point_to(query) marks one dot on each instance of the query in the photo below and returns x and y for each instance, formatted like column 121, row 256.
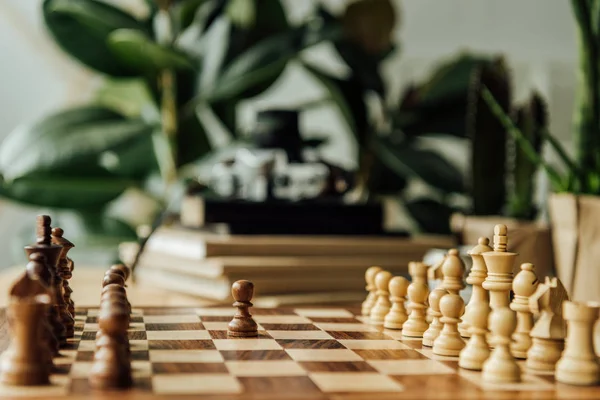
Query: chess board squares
column 280, row 387
column 373, row 344
column 184, row 326
column 181, row 345
column 81, row 386
column 281, row 319
column 189, row 368
column 246, row 344
column 345, row 327
column 358, row 335
column 309, row 344
column 432, row 385
column 196, row 383
column 391, row 354
column 266, row 368
column 354, row 382
column 222, row 326
column 185, row 356
column 289, row 327
column 528, row 382
column 428, row 352
column 137, row 345
column 410, row 367
column 323, row 355
column 59, row 385
column 178, row 335
column 300, row 335
column 170, row 319
column 336, row 366
column 254, row 355
column 166, row 311
column 324, row 312
column 215, row 312
column 81, row 369
column 223, row 335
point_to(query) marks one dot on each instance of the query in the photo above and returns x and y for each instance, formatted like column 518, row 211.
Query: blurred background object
column 113, row 135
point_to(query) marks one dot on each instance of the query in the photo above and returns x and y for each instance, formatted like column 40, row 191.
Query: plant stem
column 526, row 146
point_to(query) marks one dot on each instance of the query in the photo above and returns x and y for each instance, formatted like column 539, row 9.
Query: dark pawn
column 242, row 324
column 64, row 273
column 111, row 368
column 125, row 270
column 110, row 278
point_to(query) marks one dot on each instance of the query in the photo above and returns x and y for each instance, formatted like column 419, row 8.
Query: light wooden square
column 90, row 327
column 394, row 334
column 300, row 335
column 137, row 326
column 196, row 384
column 80, row 369
column 528, row 382
column 330, row 382
column 324, row 312
column 246, row 344
column 58, row 387
column 265, row 368
column 138, row 345
column 428, row 352
column 185, row 356
column 373, row 345
column 281, row 319
column 137, row 312
column 170, row 319
column 93, row 312
column 178, row 335
column 86, row 345
column 323, row 355
column 345, row 327
column 410, row 367
column 141, row 369
column 216, row 312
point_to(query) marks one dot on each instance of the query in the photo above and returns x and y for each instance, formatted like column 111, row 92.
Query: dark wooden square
column 223, row 335
column 85, row 356
column 290, row 327
column 343, row 320
column 91, row 320
column 136, row 319
column 336, row 366
column 79, row 386
column 272, row 311
column 434, row 385
column 259, row 355
column 184, row 326
column 140, row 355
column 414, row 344
column 137, row 335
column 358, row 335
column 169, row 311
column 390, row 354
column 188, row 368
column 215, row 318
column 280, row 384
column 181, row 345
column 88, row 335
column 309, row 344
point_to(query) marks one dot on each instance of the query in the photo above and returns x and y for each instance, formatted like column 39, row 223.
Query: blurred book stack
column 286, row 269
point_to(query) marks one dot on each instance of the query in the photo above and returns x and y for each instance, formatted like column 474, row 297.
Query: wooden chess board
column 308, row 353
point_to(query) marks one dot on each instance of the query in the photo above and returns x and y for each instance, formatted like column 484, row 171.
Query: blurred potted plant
column 166, row 75
column 574, row 205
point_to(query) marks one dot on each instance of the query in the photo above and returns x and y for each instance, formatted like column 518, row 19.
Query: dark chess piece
column 110, row 278
column 111, row 368
column 62, row 270
column 52, row 253
column 242, row 324
column 121, row 269
column 65, row 271
column 25, row 362
column 113, row 287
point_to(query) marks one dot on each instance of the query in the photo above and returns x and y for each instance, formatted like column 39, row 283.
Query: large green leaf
column 81, row 28
column 187, row 12
column 65, row 192
column 140, row 53
column 67, row 140
column 192, row 139
column 427, row 165
column 130, row 97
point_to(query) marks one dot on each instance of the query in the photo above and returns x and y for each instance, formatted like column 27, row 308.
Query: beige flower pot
column 575, row 222
column 531, row 240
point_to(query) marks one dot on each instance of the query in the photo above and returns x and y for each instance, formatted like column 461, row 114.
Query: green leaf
column 98, row 225
column 431, row 215
column 136, row 50
column 68, row 140
column 242, row 13
column 81, row 28
column 384, row 181
column 186, row 11
column 427, row 165
column 192, row 139
column 65, row 192
column 129, row 97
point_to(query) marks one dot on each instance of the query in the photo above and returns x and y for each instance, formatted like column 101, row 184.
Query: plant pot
column 531, row 240
column 575, row 222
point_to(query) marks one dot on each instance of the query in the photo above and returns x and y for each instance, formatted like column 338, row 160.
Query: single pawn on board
column 524, row 285
column 578, row 364
column 396, row 317
column 242, row 324
column 449, row 342
column 501, row 366
column 435, row 327
column 110, row 278
column 382, row 304
column 477, row 349
column 369, row 302
column 416, row 324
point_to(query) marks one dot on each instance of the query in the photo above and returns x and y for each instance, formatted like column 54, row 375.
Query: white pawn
column 578, row 364
column 382, row 304
column 369, row 302
column 398, row 288
column 501, row 366
column 524, row 285
column 477, row 349
column 434, row 310
column 416, row 324
column 449, row 343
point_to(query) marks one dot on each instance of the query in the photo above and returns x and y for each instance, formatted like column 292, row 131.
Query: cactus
column 532, row 119
column 487, row 182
